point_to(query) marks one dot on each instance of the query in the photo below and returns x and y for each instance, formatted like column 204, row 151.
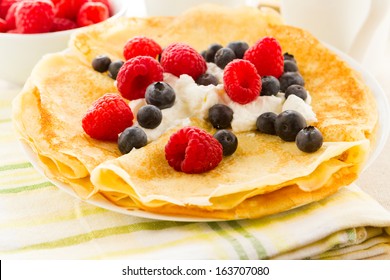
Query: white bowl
column 20, row 52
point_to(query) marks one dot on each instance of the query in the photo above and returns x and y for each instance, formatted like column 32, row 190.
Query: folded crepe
column 264, row 176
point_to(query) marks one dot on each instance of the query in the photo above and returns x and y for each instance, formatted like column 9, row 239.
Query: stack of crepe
column 264, row 176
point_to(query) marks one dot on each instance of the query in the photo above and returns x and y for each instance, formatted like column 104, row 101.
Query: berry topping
column 220, row 116
column 149, row 116
column 269, row 86
column 91, row 13
column 223, row 56
column 288, row 124
column 290, row 66
column 267, row 56
column 160, row 94
column 242, row 83
column 289, row 57
column 141, row 45
column 114, row 68
column 179, row 58
column 107, row 117
column 193, row 150
column 5, row 6
column 61, row 24
column 297, row 90
column 266, row 123
column 207, row 79
column 211, row 51
column 101, row 63
column 131, row 137
column 239, row 48
column 228, row 141
column 136, row 75
column 34, row 16
column 309, row 139
column 290, row 78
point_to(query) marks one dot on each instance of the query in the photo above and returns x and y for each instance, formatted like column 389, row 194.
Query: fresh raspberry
column 107, row 117
column 179, row 58
column 5, row 5
column 65, row 9
column 192, row 150
column 242, row 83
column 136, row 75
column 3, row 26
column 34, row 16
column 10, row 17
column 141, row 45
column 267, row 56
column 91, row 13
column 61, row 24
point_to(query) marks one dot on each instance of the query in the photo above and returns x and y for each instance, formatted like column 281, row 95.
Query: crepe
column 264, row 176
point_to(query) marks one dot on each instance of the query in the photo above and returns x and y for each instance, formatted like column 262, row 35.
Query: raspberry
column 5, row 5
column 34, row 16
column 65, row 9
column 141, row 45
column 267, row 56
column 61, row 24
column 3, row 26
column 136, row 75
column 107, row 117
column 179, row 58
column 10, row 18
column 242, row 83
column 192, row 150
column 91, row 13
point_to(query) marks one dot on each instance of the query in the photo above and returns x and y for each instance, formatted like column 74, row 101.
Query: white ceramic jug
column 357, row 27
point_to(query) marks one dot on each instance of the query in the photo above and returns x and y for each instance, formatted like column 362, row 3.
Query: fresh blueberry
column 270, row 86
column 290, row 66
column 220, row 116
column 297, row 90
column 203, row 54
column 223, row 57
column 309, row 139
column 160, row 94
column 149, row 116
column 207, row 79
column 239, row 48
column 290, row 78
column 228, row 141
column 101, row 63
column 114, row 67
column 131, row 137
column 290, row 57
column 288, row 124
column 266, row 123
column 211, row 51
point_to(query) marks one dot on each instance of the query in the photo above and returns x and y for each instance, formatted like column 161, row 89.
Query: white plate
column 382, row 135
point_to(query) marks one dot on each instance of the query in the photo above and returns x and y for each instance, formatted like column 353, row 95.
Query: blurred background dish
column 20, row 52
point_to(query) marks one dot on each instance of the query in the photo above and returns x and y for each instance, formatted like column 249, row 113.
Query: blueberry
column 211, row 51
column 149, row 116
column 290, row 57
column 239, row 48
column 160, row 94
column 203, row 54
column 297, row 90
column 207, row 79
column 131, row 137
column 220, row 116
column 223, row 57
column 290, row 66
column 228, row 141
column 288, row 124
column 266, row 123
column 290, row 78
column 101, row 63
column 309, row 139
column 270, row 85
column 114, row 67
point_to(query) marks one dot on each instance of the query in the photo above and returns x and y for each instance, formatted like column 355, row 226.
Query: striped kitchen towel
column 39, row 221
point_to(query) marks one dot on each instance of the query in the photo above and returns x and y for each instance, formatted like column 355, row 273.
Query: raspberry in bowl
column 30, row 29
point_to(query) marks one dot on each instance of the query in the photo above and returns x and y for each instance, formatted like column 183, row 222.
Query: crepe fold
column 264, row 176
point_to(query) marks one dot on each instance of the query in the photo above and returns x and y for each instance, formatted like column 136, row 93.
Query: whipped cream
column 193, row 100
